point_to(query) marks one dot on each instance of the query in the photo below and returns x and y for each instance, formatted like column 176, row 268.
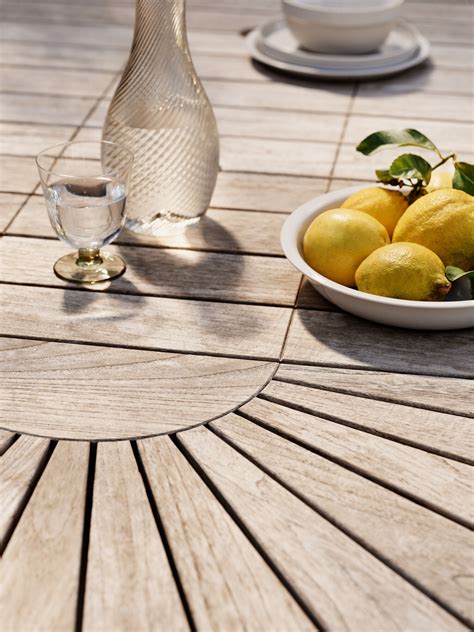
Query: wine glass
column 86, row 205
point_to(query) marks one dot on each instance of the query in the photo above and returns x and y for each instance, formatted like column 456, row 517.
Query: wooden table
column 207, row 443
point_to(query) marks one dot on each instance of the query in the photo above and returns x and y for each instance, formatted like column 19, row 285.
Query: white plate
column 389, row 311
column 420, row 54
column 276, row 41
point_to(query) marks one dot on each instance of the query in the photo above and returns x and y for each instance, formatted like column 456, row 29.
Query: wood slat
column 262, row 192
column 280, row 96
column 342, row 340
column 49, row 109
column 29, row 140
column 129, row 584
column 148, row 322
column 447, row 135
column 160, row 272
column 425, row 546
column 42, row 559
column 277, row 156
column 6, row 439
column 43, row 55
column 346, row 587
column 218, row 231
column 452, row 395
column 227, row 583
column 443, row 433
column 433, row 480
column 53, row 389
column 309, row 297
column 401, row 104
column 60, row 82
column 9, row 205
column 18, row 175
column 18, row 468
column 101, row 36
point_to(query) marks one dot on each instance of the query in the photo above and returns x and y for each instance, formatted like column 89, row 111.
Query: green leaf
column 395, row 138
column 463, row 178
column 453, row 273
column 384, row 176
column 411, row 167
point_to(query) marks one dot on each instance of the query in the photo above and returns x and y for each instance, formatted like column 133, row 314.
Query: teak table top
column 207, row 444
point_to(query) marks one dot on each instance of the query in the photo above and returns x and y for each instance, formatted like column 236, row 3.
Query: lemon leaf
column 395, row 138
column 453, row 273
column 411, row 167
column 463, row 178
column 383, row 175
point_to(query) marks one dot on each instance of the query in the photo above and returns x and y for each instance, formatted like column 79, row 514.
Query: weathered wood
column 447, row 434
column 218, row 231
column 9, row 205
column 129, row 584
column 433, row 480
column 450, row 395
column 18, row 175
column 323, row 338
column 227, row 583
column 425, row 546
column 64, row 82
column 49, row 109
column 40, row 567
column 264, row 192
column 146, row 322
column 24, row 139
column 6, row 439
column 160, row 272
column 18, row 469
column 279, row 96
column 53, row 389
column 346, row 587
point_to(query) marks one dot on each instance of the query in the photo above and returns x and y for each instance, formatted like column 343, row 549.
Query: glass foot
column 89, row 267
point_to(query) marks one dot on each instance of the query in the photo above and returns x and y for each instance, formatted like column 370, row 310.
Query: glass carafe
column 161, row 113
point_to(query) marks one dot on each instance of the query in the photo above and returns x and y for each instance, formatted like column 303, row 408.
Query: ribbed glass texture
column 162, row 114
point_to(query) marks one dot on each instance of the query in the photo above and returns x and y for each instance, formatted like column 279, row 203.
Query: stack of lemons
column 378, row 243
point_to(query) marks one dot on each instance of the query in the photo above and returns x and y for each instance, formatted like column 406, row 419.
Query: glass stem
column 88, row 257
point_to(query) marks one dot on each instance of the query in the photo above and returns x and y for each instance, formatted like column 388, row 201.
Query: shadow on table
column 79, row 302
column 186, row 266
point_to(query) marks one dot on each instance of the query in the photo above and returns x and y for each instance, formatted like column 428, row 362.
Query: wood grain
column 9, row 205
column 24, row 139
column 346, row 587
column 322, row 338
column 160, row 272
column 53, row 389
column 425, row 546
column 439, row 482
column 63, row 82
column 262, row 192
column 18, row 469
column 218, row 231
column 450, row 395
column 40, row 567
column 49, row 109
column 447, row 434
column 129, row 583
column 145, row 322
column 6, row 439
column 18, row 175
column 227, row 583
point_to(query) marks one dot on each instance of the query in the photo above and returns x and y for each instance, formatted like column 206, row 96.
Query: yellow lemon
column 443, row 221
column 440, row 180
column 385, row 205
column 403, row 270
column 338, row 240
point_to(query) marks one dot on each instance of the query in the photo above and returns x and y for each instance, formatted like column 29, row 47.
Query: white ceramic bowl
column 389, row 311
column 345, row 27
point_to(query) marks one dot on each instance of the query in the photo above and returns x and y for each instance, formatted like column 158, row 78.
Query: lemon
column 443, row 221
column 385, row 205
column 440, row 180
column 403, row 270
column 338, row 240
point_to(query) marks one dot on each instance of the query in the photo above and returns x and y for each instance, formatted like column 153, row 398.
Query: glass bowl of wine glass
column 86, row 204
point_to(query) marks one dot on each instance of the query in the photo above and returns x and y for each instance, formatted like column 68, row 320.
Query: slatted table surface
column 206, row 443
